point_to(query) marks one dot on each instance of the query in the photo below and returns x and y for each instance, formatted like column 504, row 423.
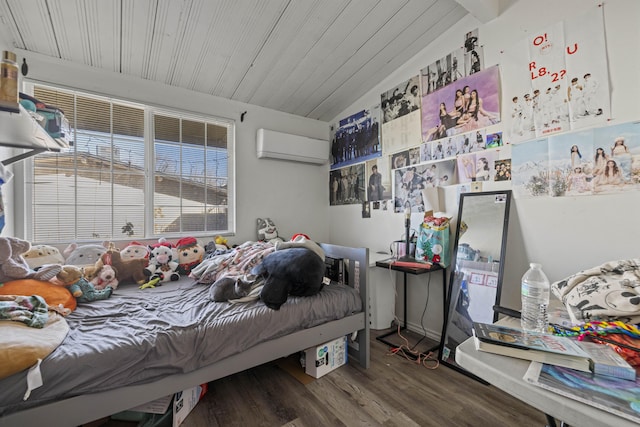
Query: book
column 606, row 361
column 614, row 395
column 551, row 349
column 539, row 347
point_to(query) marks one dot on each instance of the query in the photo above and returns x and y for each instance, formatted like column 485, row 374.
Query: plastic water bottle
column 535, row 299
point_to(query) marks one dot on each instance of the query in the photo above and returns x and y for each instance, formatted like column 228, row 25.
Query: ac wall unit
column 284, row 146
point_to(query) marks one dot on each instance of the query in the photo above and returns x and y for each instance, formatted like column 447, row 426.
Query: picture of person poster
column 378, row 180
column 471, row 41
column 401, row 100
column 502, row 170
column 557, row 79
column 476, row 167
column 400, row 159
column 494, row 140
column 471, row 142
column 587, row 162
column 409, row 182
column 570, row 164
column 426, row 149
column 616, row 158
column 470, row 104
column 347, row 185
column 443, row 72
column 356, row 138
column 401, row 116
column 473, row 61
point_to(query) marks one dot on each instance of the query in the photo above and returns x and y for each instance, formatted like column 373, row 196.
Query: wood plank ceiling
column 312, row 58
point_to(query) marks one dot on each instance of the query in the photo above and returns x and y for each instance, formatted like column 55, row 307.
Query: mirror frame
column 454, row 285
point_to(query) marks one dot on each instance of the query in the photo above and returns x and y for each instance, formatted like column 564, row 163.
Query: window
column 99, row 189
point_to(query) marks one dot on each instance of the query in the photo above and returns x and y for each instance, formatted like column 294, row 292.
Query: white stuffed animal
column 163, row 264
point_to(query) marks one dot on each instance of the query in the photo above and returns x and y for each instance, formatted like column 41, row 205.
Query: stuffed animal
column 70, row 276
column 129, row 271
column 267, row 231
column 106, row 276
column 40, row 255
column 163, row 264
column 296, row 271
column 135, row 250
column 82, row 256
column 190, row 254
column 221, row 243
column 13, row 265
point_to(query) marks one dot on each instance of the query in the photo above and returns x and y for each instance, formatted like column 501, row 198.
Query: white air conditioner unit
column 284, row 146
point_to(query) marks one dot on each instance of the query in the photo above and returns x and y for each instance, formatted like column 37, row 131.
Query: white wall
column 565, row 234
column 294, row 195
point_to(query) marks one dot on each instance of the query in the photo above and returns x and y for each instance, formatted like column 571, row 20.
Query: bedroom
column 564, row 234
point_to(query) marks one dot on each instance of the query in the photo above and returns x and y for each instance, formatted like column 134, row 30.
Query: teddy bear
column 190, row 254
column 40, row 255
column 106, row 276
column 163, row 264
column 14, row 266
column 70, row 276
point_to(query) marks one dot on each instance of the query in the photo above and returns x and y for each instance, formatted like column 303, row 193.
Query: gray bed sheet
column 138, row 336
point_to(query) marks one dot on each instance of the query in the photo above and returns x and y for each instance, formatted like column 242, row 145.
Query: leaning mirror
column 477, row 268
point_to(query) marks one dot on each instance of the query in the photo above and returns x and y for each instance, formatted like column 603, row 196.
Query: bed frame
column 85, row 408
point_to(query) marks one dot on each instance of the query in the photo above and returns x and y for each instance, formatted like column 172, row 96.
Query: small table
column 388, row 264
column 506, row 373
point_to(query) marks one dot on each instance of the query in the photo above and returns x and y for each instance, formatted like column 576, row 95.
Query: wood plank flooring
column 392, row 392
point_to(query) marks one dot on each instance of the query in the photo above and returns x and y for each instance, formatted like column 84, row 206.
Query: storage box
column 185, row 401
column 325, row 358
column 182, row 404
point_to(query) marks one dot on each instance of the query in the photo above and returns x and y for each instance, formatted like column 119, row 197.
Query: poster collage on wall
column 447, row 125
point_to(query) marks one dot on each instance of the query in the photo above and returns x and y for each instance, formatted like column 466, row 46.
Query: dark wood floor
column 392, row 392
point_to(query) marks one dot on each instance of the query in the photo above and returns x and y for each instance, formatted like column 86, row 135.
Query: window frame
column 25, row 169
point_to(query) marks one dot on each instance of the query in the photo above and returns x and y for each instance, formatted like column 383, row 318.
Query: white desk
column 506, row 373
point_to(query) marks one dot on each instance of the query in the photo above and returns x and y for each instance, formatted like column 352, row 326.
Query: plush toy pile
column 92, row 272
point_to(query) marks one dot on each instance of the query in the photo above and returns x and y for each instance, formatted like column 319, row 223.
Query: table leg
column 382, row 338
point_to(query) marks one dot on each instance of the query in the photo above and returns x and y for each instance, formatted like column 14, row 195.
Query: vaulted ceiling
column 312, row 58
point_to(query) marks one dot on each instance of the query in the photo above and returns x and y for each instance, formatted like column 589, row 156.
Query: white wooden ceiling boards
column 312, row 58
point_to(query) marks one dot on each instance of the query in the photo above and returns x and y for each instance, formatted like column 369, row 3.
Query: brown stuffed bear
column 70, row 277
column 129, row 270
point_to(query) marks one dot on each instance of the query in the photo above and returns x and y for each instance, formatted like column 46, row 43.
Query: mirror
column 477, row 268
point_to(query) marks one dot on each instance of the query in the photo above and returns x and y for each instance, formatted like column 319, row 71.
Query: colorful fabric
column 30, row 310
column 235, row 263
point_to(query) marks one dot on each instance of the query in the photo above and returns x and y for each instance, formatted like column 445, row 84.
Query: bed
column 176, row 338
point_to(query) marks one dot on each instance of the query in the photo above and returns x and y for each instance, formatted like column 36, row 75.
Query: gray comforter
column 138, row 336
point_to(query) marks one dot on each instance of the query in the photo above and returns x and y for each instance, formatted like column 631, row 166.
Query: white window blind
column 97, row 189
